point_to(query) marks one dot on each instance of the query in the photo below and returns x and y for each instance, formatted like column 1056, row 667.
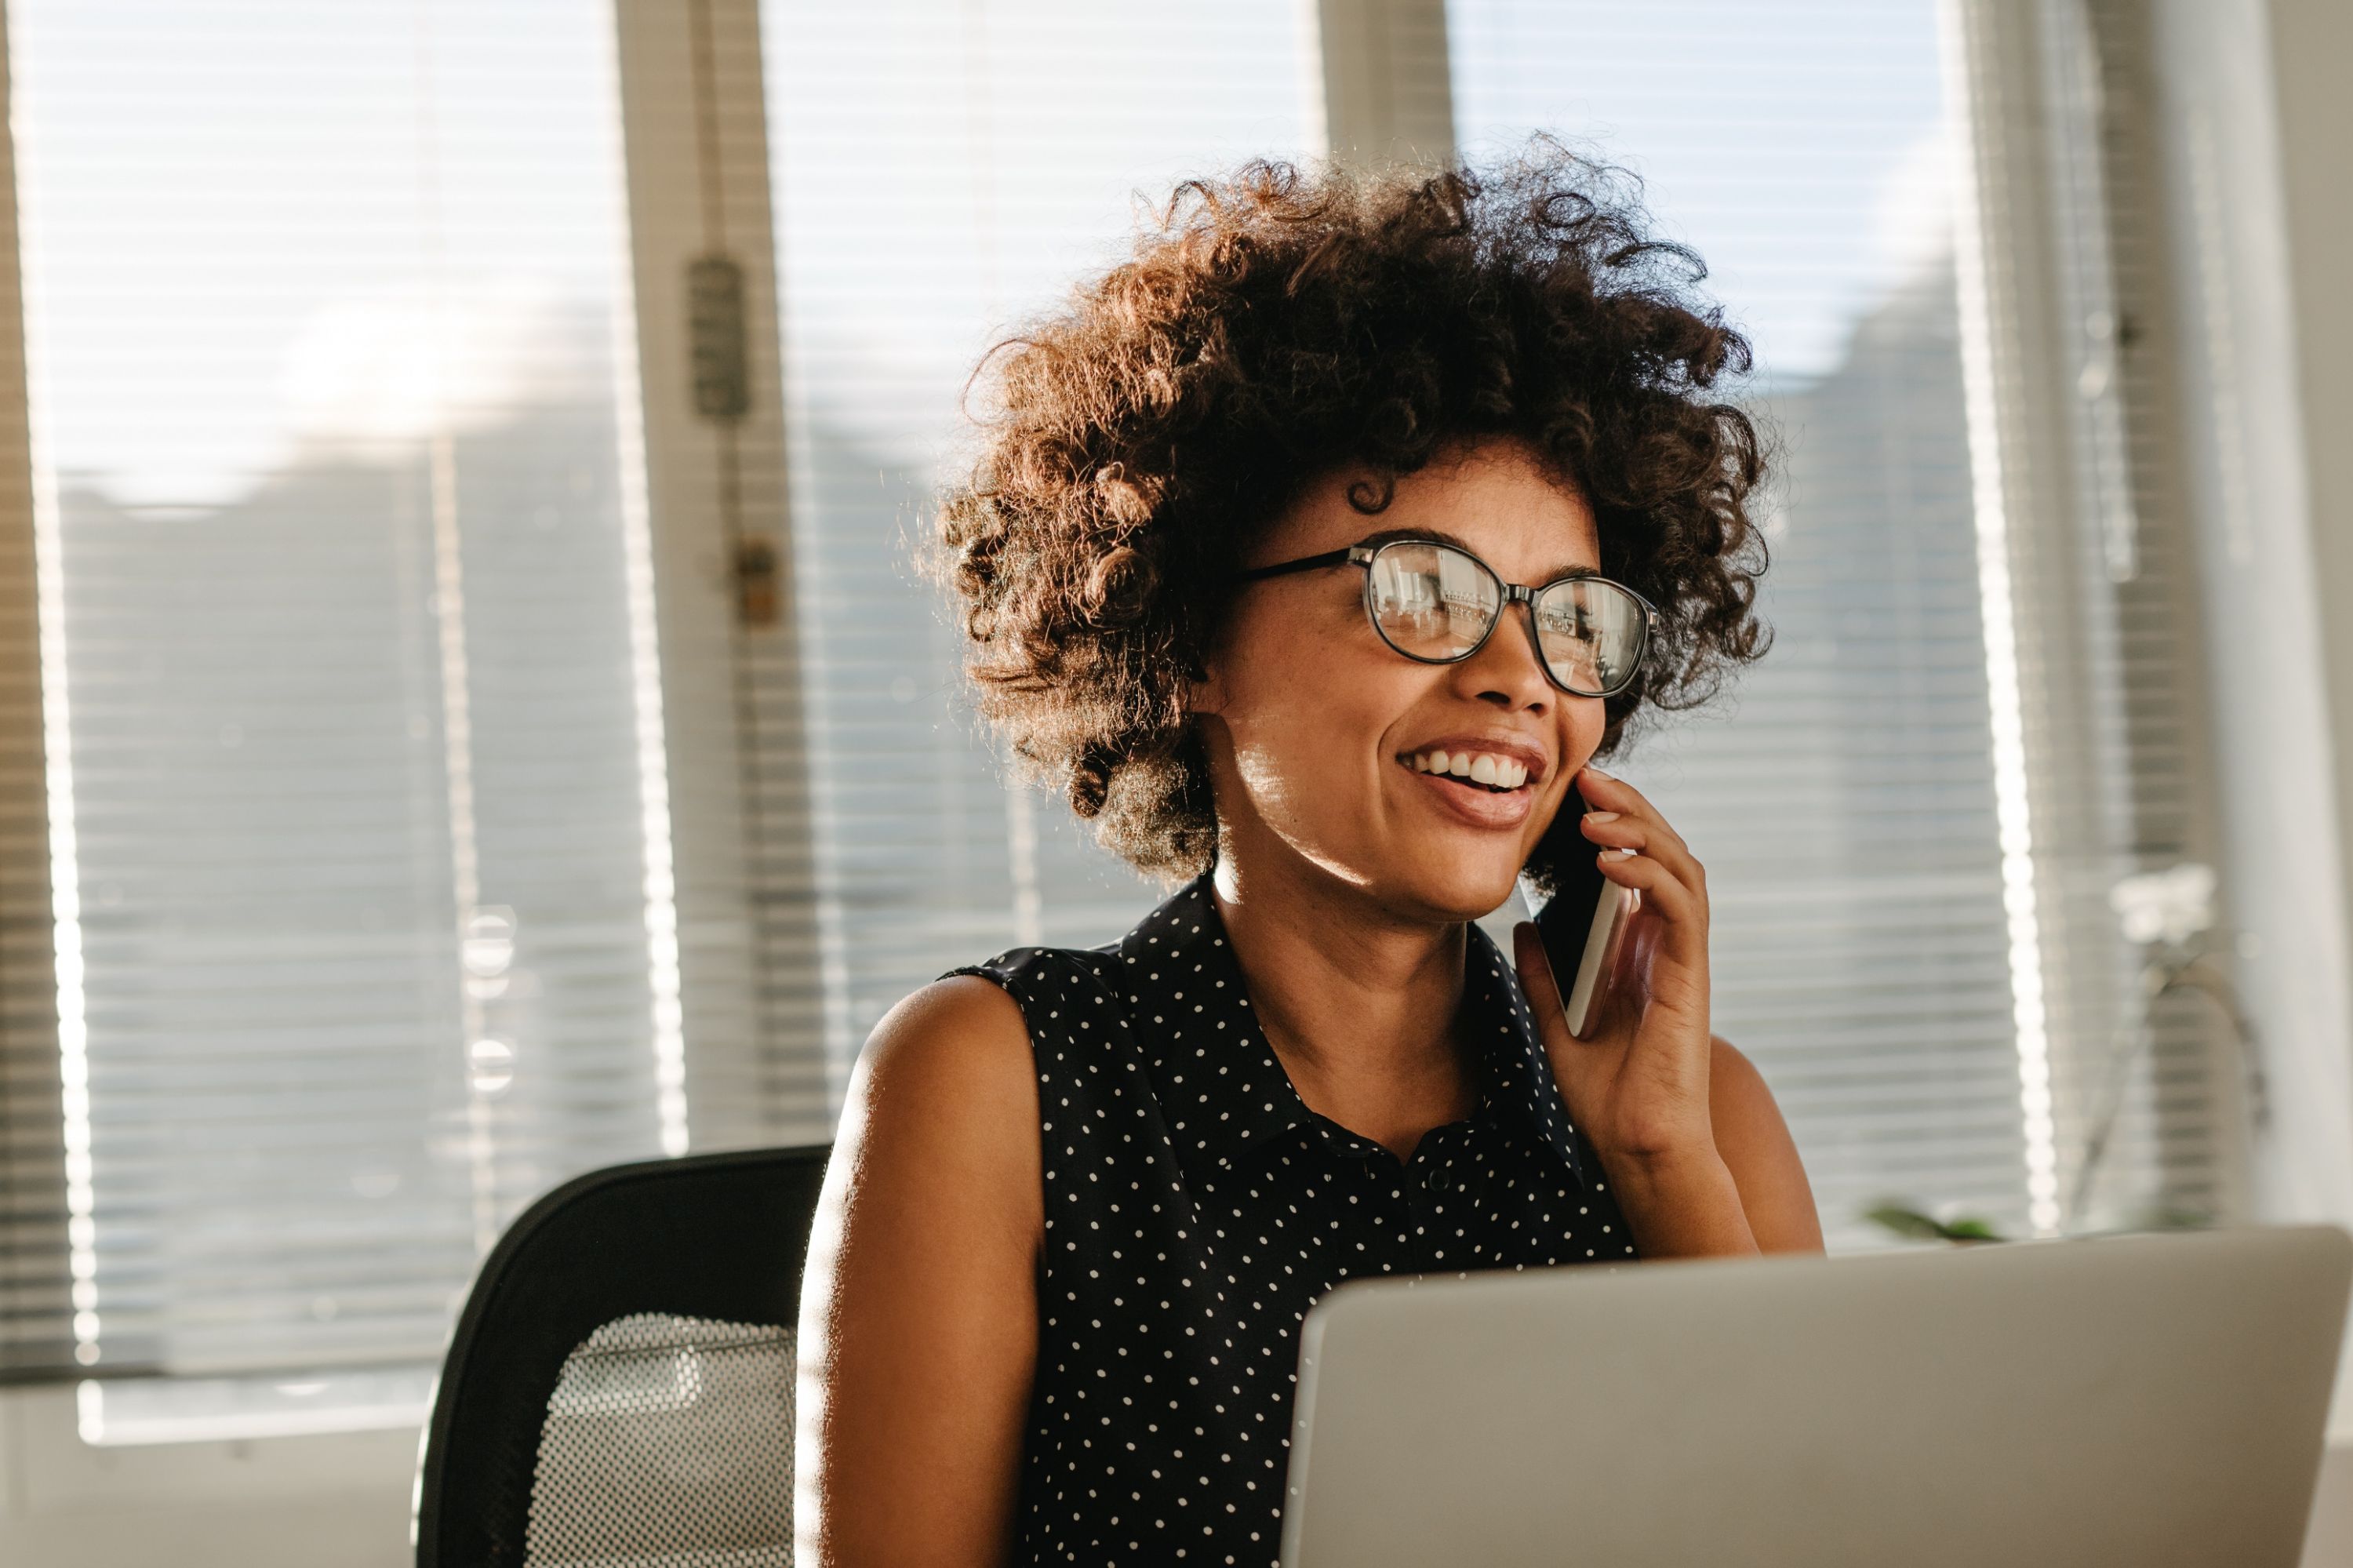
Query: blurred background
column 468, row 714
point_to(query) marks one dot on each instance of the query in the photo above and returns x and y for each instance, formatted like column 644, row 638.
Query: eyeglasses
column 1438, row 604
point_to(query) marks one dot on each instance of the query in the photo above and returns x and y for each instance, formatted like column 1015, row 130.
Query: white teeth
column 1481, row 767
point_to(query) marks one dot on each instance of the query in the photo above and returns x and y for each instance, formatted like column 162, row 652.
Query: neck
column 1358, row 1003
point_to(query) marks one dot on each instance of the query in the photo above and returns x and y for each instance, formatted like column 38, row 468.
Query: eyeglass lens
column 1434, row 602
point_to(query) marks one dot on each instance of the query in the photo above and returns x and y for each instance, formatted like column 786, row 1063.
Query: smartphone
column 1583, row 923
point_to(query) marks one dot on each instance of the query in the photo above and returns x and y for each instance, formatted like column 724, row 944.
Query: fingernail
column 1600, row 816
column 1598, row 773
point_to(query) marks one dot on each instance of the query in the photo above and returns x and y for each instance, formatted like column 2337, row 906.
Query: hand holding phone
column 1583, row 925
column 1630, row 1040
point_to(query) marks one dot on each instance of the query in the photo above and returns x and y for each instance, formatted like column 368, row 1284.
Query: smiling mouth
column 1451, row 775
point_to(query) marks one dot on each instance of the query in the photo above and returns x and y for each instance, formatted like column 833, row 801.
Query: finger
column 1614, row 829
column 1634, row 954
column 1592, row 783
column 1670, row 946
column 1634, row 837
column 1624, row 992
column 1617, row 831
column 1625, row 989
column 1612, row 794
column 1683, row 911
column 1658, row 962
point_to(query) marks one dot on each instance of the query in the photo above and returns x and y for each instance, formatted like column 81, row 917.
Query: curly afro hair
column 1276, row 326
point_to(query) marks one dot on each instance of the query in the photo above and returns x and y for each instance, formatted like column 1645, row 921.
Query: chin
column 1464, row 891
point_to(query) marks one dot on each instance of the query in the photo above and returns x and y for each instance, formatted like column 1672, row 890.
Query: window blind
column 1847, row 798
column 357, row 943
column 332, row 611
column 941, row 170
column 1848, row 794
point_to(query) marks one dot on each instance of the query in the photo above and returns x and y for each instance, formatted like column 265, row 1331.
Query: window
column 345, row 695
column 1914, row 808
column 941, row 171
column 360, row 894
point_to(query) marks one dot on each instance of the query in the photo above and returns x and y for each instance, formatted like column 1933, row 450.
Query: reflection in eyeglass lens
column 1435, row 602
column 1591, row 632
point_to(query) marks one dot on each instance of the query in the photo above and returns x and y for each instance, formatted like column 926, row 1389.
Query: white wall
column 2255, row 125
column 338, row 1501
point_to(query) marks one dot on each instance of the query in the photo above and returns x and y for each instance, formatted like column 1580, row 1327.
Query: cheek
column 1587, row 719
column 1306, row 702
column 1583, row 721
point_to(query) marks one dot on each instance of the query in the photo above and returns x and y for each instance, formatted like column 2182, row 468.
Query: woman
column 1232, row 564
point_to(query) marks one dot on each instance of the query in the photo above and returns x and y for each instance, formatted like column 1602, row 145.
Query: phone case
column 1583, row 925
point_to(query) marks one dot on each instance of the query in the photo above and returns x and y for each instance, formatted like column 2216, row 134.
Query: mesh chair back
column 619, row 1389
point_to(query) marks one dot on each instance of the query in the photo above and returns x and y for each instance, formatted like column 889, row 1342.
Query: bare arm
column 919, row 1311
column 1756, row 1146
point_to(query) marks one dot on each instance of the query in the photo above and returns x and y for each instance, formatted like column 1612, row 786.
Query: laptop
column 2151, row 1399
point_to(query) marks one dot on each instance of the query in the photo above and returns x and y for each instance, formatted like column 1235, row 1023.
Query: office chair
column 619, row 1387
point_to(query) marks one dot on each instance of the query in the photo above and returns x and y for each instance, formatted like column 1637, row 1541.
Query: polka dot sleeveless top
column 1196, row 1208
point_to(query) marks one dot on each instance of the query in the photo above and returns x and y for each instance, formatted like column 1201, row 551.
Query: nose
column 1508, row 670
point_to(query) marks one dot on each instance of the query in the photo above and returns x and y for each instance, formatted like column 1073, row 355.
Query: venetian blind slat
column 1844, row 800
column 322, row 306
column 941, row 171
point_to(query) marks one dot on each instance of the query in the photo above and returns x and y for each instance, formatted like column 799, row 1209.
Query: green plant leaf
column 1914, row 1225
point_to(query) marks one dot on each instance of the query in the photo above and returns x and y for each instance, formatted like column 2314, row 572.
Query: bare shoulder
column 918, row 1319
column 963, row 1030
column 1754, row 1142
column 945, row 1093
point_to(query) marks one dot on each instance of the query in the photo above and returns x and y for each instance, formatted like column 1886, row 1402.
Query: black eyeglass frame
column 1363, row 555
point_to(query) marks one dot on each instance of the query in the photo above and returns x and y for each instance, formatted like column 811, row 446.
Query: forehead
column 1495, row 499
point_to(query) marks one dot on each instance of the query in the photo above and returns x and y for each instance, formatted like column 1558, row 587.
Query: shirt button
column 1437, row 1180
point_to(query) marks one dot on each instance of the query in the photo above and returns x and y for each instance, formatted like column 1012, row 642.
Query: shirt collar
column 1220, row 1084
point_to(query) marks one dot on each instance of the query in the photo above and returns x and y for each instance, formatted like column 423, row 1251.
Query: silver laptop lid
column 2148, row 1400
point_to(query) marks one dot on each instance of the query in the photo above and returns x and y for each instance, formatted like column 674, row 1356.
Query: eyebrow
column 1387, row 536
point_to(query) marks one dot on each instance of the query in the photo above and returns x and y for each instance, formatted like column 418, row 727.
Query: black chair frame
column 718, row 1236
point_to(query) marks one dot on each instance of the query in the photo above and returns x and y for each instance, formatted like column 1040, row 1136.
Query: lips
column 1489, row 756
column 1473, row 804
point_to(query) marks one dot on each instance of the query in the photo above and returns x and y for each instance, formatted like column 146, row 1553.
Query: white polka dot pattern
column 1196, row 1208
